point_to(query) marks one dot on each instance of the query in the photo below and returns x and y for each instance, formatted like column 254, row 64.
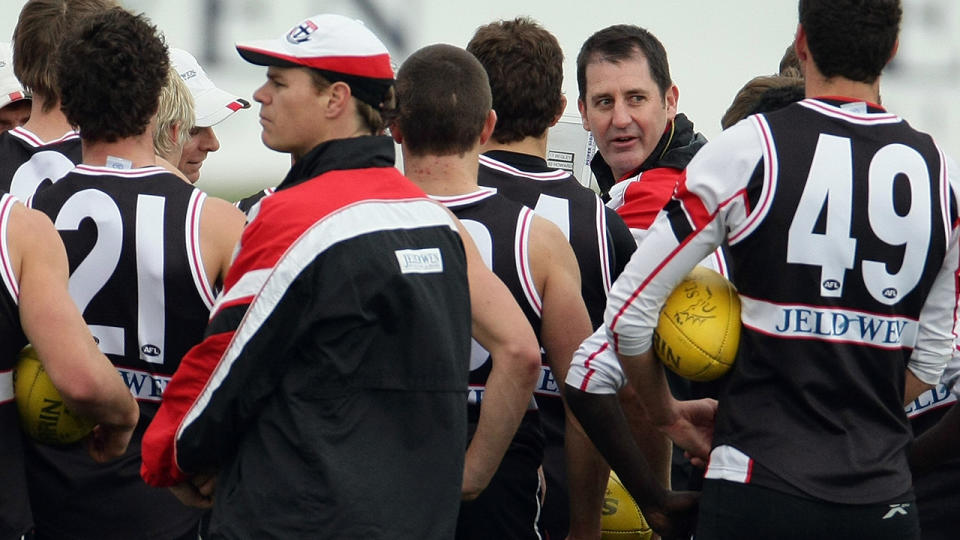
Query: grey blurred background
column 714, row 48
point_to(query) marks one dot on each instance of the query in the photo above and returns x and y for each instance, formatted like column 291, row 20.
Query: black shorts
column 734, row 511
column 508, row 508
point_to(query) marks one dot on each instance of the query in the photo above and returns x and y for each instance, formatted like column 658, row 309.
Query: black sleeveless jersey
column 501, row 230
column 839, row 217
column 27, row 163
column 247, row 203
column 133, row 243
column 14, row 505
column 599, row 237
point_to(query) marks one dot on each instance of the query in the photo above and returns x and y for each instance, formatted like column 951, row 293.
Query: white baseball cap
column 212, row 105
column 10, row 88
column 341, row 48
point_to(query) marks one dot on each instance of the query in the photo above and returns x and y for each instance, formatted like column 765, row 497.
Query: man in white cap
column 329, row 396
column 212, row 106
column 14, row 100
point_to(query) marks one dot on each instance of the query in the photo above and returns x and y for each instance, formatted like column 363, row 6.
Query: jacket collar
column 675, row 149
column 341, row 154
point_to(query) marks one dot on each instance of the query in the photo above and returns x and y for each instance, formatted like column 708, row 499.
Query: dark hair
column 373, row 119
column 621, row 42
column 524, row 63
column 443, row 100
column 764, row 94
column 40, row 29
column 789, row 60
column 111, row 73
column 853, row 39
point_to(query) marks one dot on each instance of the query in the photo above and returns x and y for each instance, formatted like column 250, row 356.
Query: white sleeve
column 936, row 337
column 595, row 368
column 709, row 201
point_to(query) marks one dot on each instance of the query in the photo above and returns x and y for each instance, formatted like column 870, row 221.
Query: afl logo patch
column 831, row 284
column 150, row 350
column 300, row 33
column 889, row 292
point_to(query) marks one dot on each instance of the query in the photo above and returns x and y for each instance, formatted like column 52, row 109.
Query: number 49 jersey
column 841, row 221
column 132, row 240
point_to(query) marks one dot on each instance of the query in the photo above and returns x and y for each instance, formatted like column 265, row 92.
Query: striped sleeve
column 710, row 200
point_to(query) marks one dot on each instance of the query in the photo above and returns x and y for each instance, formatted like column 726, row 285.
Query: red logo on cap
column 301, row 32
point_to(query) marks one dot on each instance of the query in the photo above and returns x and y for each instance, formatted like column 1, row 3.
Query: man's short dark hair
column 443, row 101
column 40, row 29
column 764, row 94
column 853, row 39
column 524, row 63
column 622, row 42
column 110, row 73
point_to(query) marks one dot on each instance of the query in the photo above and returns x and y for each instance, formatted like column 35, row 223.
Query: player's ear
column 582, row 107
column 671, row 97
column 396, row 133
column 563, row 107
column 893, row 51
column 340, row 95
column 488, row 126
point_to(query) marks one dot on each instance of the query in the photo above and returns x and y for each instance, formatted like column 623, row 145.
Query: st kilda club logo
column 301, row 32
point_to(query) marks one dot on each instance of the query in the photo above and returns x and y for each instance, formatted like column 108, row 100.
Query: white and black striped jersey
column 15, row 517
column 246, row 204
column 841, row 222
column 501, row 230
column 133, row 243
column 27, row 163
column 599, row 237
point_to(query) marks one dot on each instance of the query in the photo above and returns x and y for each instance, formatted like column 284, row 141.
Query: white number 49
column 830, row 185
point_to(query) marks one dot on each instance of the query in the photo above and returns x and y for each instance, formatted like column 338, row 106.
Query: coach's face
column 290, row 111
column 625, row 110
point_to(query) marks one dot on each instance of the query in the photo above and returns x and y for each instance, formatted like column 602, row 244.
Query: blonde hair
column 175, row 109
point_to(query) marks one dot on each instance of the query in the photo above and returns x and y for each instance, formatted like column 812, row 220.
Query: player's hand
column 108, row 442
column 677, row 519
column 197, row 491
column 692, row 428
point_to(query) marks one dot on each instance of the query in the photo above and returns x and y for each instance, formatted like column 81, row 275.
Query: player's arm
column 565, row 323
column 221, row 225
column 88, row 382
column 938, row 444
column 501, row 328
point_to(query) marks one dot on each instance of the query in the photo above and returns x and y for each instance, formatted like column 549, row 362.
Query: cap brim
column 215, row 105
column 7, row 98
column 265, row 53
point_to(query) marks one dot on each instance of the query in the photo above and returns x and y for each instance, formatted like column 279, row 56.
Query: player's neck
column 817, row 85
column 47, row 125
column 443, row 175
column 533, row 146
column 138, row 151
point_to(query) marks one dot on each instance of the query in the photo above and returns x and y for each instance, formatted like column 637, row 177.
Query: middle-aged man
column 855, row 213
column 329, row 397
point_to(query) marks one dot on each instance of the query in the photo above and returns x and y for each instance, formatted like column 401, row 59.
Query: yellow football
column 698, row 332
column 43, row 414
column 621, row 518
